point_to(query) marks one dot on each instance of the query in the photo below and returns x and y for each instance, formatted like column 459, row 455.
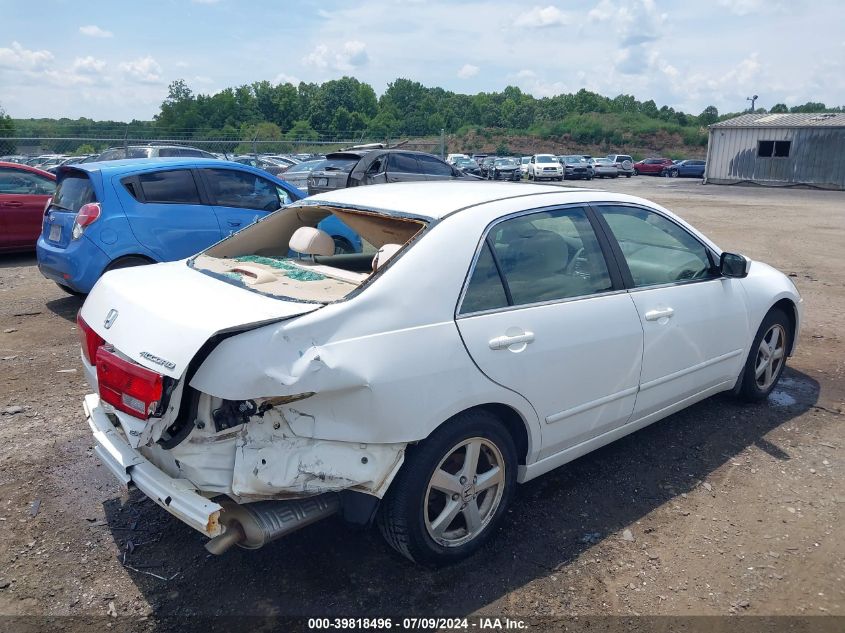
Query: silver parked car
column 604, row 168
column 298, row 174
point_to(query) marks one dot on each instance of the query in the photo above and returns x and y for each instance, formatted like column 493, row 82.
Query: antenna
column 752, row 100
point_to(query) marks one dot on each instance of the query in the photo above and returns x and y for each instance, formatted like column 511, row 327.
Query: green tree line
column 348, row 109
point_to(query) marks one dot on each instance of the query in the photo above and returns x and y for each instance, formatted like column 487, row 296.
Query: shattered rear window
column 259, row 258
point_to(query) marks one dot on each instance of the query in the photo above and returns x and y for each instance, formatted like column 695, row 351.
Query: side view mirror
column 734, row 265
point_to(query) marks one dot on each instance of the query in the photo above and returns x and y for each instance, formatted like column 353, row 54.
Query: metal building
column 778, row 150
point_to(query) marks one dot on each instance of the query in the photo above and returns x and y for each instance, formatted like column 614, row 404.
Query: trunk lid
column 159, row 316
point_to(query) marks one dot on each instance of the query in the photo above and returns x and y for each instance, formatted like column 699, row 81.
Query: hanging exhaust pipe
column 253, row 525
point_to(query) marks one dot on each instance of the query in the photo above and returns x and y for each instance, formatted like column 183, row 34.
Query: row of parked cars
column 577, row 166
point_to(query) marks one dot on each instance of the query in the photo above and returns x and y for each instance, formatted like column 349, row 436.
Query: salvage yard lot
column 722, row 508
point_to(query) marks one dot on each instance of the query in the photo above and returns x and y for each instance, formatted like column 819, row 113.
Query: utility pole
column 442, row 143
column 752, row 100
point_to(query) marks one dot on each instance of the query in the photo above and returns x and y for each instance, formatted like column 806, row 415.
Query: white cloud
column 467, row 71
column 19, row 58
column 144, row 69
column 352, row 55
column 92, row 30
column 533, row 84
column 88, row 65
column 284, row 78
column 744, row 7
column 540, row 17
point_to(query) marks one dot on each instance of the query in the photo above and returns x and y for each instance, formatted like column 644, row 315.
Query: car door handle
column 504, row 342
column 13, row 203
column 234, row 223
column 654, row 315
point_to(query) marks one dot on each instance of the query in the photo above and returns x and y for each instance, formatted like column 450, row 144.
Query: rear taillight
column 126, row 386
column 47, row 204
column 87, row 214
column 89, row 339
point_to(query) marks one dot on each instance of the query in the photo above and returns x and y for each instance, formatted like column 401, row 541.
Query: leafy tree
column 7, row 129
column 302, row 130
column 779, row 108
column 709, row 115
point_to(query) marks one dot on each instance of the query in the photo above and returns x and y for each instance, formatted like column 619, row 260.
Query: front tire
column 767, row 357
column 452, row 492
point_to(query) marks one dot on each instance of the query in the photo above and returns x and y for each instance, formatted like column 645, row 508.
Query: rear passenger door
column 241, row 197
column 169, row 217
column 545, row 315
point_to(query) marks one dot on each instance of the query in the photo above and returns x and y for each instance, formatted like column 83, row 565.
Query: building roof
column 802, row 119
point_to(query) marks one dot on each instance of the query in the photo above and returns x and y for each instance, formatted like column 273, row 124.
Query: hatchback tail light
column 89, row 339
column 127, row 386
column 87, row 214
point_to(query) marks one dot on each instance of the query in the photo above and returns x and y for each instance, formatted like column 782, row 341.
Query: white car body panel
column 600, row 341
column 170, row 310
column 691, row 348
column 388, row 365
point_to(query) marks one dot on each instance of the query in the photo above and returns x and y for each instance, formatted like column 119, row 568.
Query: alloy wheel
column 464, row 492
column 770, row 357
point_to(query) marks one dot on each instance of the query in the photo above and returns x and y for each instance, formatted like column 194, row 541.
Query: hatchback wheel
column 767, row 357
column 452, row 490
column 673, row 173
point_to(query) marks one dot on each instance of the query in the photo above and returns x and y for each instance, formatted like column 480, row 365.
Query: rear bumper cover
column 177, row 496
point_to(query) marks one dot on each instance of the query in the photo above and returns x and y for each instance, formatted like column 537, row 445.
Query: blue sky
column 113, row 60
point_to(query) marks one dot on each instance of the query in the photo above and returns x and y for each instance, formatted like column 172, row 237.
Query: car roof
column 436, row 200
column 130, row 165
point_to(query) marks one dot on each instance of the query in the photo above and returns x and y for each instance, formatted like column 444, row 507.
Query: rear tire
column 627, row 175
column 767, row 357
column 436, row 511
column 128, row 262
column 70, row 291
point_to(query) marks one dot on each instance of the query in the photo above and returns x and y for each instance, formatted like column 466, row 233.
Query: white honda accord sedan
column 487, row 334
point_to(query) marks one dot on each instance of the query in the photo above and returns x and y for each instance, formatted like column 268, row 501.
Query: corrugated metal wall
column 817, row 157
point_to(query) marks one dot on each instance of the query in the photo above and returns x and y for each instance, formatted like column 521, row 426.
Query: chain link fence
column 227, row 148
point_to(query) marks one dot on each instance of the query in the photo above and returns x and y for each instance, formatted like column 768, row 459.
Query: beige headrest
column 311, row 241
column 384, row 253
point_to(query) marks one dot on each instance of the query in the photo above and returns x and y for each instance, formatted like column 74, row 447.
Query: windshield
column 506, row 162
column 575, row 159
column 546, row 159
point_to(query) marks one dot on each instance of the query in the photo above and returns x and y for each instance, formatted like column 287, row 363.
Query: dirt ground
column 721, row 509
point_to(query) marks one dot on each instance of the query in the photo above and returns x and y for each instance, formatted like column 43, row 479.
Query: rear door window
column 176, row 186
column 405, row 163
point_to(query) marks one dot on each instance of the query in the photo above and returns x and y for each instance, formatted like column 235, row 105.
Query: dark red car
column 24, row 192
column 651, row 166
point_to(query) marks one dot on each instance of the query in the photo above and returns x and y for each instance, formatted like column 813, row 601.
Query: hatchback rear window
column 339, row 164
column 73, row 192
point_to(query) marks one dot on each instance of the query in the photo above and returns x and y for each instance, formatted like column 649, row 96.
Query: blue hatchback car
column 131, row 212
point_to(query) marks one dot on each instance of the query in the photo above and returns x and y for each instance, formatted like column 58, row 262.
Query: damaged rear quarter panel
column 387, row 365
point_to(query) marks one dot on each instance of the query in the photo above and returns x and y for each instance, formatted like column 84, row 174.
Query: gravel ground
column 721, row 509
